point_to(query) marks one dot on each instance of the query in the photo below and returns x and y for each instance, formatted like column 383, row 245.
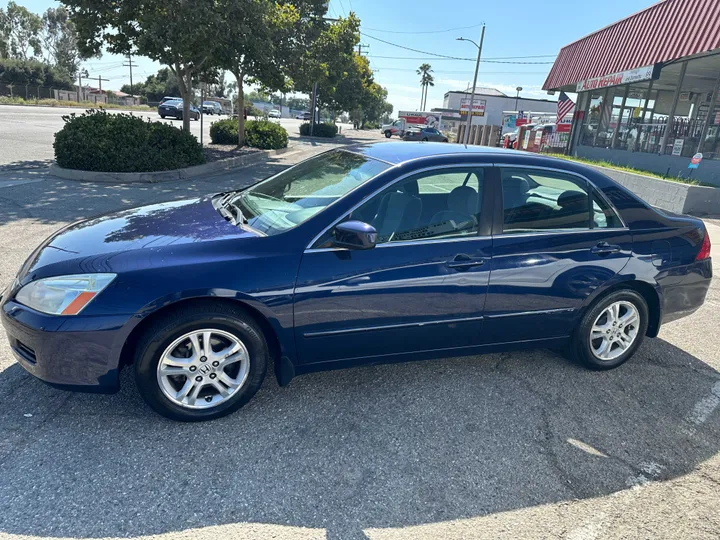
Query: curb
column 165, row 176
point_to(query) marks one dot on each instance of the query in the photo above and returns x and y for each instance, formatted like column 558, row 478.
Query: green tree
column 426, row 79
column 33, row 73
column 329, row 59
column 20, row 32
column 59, row 41
column 163, row 30
column 298, row 103
column 259, row 39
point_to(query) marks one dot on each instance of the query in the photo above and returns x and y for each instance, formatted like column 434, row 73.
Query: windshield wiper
column 228, row 210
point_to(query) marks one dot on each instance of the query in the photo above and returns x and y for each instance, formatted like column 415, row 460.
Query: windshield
column 296, row 194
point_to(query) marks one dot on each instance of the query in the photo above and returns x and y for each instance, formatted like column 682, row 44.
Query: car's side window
column 604, row 217
column 542, row 200
column 433, row 205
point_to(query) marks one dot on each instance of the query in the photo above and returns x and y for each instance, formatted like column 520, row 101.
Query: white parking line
column 706, row 406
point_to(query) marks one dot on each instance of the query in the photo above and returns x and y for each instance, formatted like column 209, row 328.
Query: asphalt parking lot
column 512, row 445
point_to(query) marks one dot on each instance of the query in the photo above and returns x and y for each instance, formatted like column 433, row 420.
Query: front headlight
column 63, row 295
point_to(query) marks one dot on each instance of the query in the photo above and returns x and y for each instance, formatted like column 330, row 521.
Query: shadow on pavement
column 61, row 201
column 384, row 446
column 25, row 165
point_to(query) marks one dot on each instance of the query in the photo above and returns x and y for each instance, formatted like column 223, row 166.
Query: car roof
column 399, row 152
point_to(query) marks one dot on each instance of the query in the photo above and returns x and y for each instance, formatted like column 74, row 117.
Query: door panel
column 556, row 241
column 539, row 281
column 421, row 289
column 391, row 299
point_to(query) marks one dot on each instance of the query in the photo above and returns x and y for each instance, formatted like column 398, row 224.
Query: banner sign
column 616, row 79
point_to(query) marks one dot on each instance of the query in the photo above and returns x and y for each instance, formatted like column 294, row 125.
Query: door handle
column 462, row 262
column 603, row 248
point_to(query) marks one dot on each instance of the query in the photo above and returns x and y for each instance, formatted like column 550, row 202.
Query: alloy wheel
column 614, row 330
column 203, row 368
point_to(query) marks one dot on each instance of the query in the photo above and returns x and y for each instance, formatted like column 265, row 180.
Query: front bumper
column 72, row 353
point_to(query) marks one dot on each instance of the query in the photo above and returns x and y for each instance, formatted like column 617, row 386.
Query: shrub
column 100, row 141
column 321, row 130
column 265, row 135
column 258, row 133
column 224, row 131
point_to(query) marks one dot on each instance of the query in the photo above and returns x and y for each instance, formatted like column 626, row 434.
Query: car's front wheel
column 201, row 363
column 388, row 134
column 611, row 330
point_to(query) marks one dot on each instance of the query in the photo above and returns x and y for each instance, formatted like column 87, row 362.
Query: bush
column 265, row 135
column 224, row 131
column 99, row 141
column 258, row 133
column 321, row 130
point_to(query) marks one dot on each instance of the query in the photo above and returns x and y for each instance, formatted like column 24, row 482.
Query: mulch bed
column 215, row 152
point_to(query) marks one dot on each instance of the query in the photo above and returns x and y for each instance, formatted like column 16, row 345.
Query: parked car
column 304, row 115
column 371, row 253
column 424, row 133
column 212, row 107
column 274, row 113
column 175, row 108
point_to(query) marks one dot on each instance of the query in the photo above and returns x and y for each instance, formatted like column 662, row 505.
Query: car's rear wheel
column 162, row 116
column 201, row 363
column 425, row 139
column 388, row 133
column 611, row 330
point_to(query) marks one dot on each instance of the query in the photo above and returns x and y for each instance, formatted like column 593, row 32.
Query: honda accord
column 371, row 253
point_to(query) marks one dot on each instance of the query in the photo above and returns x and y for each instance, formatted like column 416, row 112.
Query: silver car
column 424, row 134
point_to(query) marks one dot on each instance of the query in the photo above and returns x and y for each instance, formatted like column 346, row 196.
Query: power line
column 426, row 31
column 465, row 72
column 434, row 59
column 444, row 56
column 343, row 7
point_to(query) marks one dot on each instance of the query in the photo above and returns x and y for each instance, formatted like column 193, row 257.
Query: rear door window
column 544, row 200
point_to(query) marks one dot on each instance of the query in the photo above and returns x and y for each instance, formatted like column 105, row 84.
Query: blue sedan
column 372, row 253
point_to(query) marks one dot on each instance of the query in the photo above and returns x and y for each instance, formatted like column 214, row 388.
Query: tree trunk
column 185, row 83
column 241, row 107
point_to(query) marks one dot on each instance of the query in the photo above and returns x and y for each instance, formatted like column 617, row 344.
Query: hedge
column 321, row 130
column 100, row 141
column 258, row 133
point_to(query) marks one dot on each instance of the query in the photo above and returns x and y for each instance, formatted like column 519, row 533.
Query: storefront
column 648, row 89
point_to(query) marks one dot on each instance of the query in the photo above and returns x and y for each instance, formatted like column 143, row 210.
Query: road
column 27, row 133
column 517, row 445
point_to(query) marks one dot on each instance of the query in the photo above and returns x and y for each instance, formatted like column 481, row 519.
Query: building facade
column 648, row 90
column 490, row 106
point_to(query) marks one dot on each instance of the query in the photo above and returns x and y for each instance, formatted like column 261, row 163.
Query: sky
column 516, row 28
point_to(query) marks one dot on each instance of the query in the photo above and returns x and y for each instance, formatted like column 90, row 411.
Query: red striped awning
column 666, row 31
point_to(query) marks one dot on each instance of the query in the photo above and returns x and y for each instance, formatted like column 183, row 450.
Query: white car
column 274, row 114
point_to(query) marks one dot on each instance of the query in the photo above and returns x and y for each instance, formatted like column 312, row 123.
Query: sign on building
column 478, row 106
column 616, row 79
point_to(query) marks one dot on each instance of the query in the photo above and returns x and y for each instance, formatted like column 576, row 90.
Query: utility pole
column 517, row 96
column 361, row 47
column 472, row 95
column 130, row 65
column 100, row 80
column 82, row 73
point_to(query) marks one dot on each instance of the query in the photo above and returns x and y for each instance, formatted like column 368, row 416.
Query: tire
column 585, row 351
column 227, row 323
column 388, row 134
column 445, row 140
column 425, row 139
column 162, row 116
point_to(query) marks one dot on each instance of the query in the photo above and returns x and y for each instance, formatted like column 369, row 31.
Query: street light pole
column 517, row 96
column 472, row 95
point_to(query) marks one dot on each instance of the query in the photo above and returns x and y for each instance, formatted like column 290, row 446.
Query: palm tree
column 425, row 80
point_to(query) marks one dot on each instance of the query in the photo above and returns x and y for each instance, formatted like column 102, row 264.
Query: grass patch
column 610, row 165
column 15, row 100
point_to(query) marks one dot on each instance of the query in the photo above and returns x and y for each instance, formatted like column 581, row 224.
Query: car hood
column 93, row 244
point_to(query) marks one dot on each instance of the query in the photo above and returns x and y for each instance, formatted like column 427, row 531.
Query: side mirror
column 355, row 235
